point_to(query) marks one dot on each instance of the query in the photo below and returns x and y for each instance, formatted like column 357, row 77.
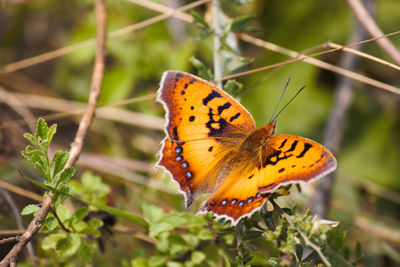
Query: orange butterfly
column 212, row 146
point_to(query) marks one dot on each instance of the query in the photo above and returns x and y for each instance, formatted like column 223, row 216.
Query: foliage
column 160, row 234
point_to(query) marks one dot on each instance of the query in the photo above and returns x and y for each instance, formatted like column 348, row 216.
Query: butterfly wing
column 286, row 159
column 203, row 124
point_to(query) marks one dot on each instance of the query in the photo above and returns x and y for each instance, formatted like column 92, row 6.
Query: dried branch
column 28, row 62
column 295, row 55
column 71, row 108
column 337, row 122
column 76, row 146
column 14, row 208
column 217, row 56
column 369, row 24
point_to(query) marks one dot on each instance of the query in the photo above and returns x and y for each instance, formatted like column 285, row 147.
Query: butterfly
column 213, row 146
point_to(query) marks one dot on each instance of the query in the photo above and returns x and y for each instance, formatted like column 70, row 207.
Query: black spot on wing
column 281, row 170
column 234, row 117
column 251, row 176
column 210, row 148
column 307, row 146
column 182, row 92
column 175, row 132
column 210, row 97
column 191, row 118
column 283, row 143
column 215, row 131
column 177, row 76
column 293, row 147
column 223, row 107
column 265, row 187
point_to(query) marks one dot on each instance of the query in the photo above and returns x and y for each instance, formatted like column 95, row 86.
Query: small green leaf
column 299, row 251
column 69, row 247
column 62, row 212
column 30, row 209
column 80, row 213
column 66, row 175
column 202, row 70
column 86, row 252
column 241, row 23
column 233, row 87
column 252, row 234
column 50, row 241
column 51, row 223
column 198, row 257
column 41, row 129
column 52, row 131
column 59, row 161
column 30, row 138
column 199, row 19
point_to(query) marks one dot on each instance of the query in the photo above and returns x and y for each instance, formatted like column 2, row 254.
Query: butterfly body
column 212, row 146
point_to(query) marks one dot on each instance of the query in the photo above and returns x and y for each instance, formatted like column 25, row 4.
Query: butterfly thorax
column 253, row 143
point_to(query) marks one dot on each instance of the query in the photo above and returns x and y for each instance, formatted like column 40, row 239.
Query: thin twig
column 310, row 59
column 306, row 240
column 21, row 64
column 364, row 55
column 21, row 191
column 14, row 208
column 70, row 108
column 8, row 239
column 295, row 55
column 76, row 146
column 217, row 27
column 369, row 24
column 334, row 131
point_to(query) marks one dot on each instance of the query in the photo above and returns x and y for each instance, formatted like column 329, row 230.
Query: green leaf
column 69, row 246
column 198, row 257
column 41, row 129
column 299, row 251
column 30, row 138
column 202, row 69
column 139, row 262
column 86, row 252
column 252, row 234
column 233, row 87
column 59, row 160
column 30, row 209
column 62, row 212
column 50, row 223
column 66, row 175
column 241, row 23
column 123, row 214
column 199, row 19
column 80, row 213
column 50, row 241
column 51, row 133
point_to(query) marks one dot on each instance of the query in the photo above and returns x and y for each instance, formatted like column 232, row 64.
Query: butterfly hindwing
column 203, row 124
column 288, row 159
column 294, row 159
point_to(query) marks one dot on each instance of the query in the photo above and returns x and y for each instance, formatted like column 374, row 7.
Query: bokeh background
column 124, row 139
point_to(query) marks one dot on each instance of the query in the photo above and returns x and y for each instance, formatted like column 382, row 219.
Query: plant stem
column 217, row 42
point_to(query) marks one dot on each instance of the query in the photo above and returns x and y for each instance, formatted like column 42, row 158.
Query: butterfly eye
column 233, row 201
column 258, row 195
column 249, row 200
column 241, row 203
column 189, row 174
column 224, row 202
column 179, row 158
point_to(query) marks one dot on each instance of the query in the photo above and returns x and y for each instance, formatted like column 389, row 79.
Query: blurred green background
column 366, row 197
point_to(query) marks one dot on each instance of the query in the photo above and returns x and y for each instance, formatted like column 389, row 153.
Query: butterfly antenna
column 301, row 89
column 280, row 98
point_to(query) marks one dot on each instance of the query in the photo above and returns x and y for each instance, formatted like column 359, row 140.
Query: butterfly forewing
column 203, row 124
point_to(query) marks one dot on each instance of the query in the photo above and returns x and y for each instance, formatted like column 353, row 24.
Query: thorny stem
column 306, row 240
